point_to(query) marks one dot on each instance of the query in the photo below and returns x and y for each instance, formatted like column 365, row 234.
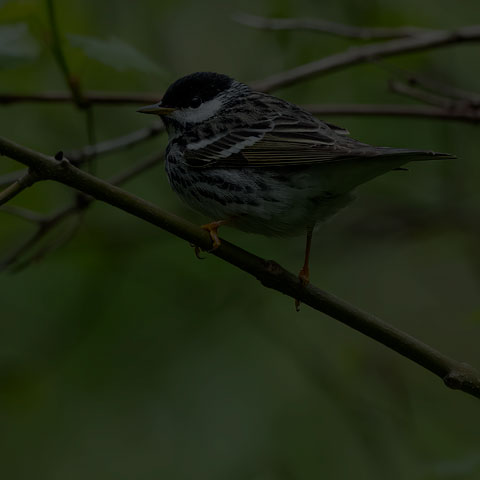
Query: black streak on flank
column 212, row 195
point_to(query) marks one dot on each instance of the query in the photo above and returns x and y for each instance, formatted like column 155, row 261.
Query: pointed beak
column 156, row 109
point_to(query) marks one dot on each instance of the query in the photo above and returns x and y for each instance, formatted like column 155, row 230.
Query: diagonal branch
column 421, row 95
column 368, row 53
column 119, row 143
column 27, row 179
column 466, row 107
column 82, row 155
column 470, row 98
column 11, row 177
column 324, row 26
column 455, row 374
column 424, row 82
column 46, row 223
column 24, row 213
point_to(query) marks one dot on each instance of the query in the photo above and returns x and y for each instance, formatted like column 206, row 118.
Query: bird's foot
column 304, row 277
column 212, row 229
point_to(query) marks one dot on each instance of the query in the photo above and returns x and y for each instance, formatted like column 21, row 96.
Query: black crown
column 187, row 90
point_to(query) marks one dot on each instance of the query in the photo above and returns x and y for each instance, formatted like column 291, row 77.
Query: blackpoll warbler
column 259, row 163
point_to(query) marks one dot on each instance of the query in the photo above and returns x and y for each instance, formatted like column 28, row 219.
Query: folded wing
column 283, row 141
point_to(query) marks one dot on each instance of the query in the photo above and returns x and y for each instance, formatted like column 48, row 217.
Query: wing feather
column 282, row 141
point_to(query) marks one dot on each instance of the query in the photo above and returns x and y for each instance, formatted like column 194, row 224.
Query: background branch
column 392, row 110
column 455, row 374
column 368, row 53
column 123, row 142
column 82, row 155
column 27, row 179
column 421, row 95
column 324, row 26
column 471, row 98
column 59, row 55
column 25, row 213
column 11, row 177
column 46, row 223
column 90, row 96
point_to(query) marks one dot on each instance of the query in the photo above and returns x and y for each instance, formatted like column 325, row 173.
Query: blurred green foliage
column 122, row 356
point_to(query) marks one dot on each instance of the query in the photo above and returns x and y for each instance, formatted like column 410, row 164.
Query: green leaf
column 16, row 45
column 115, row 53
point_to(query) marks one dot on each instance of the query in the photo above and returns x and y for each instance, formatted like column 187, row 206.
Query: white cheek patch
column 197, row 115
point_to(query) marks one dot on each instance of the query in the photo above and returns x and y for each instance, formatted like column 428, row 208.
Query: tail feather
column 347, row 175
column 413, row 155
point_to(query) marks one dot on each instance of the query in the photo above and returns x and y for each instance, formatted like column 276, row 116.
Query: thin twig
column 451, row 106
column 90, row 97
column 471, row 98
column 136, row 169
column 26, row 180
column 421, row 95
column 368, row 53
column 82, row 155
column 119, row 143
column 455, row 374
column 71, row 80
column 24, row 213
column 91, row 136
column 10, row 177
column 57, row 50
column 425, row 111
column 14, row 258
column 46, row 223
column 60, row 240
column 21, row 248
column 324, row 26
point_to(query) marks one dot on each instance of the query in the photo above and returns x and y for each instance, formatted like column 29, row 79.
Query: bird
column 259, row 163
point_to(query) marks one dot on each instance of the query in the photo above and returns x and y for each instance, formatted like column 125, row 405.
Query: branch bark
column 324, row 26
column 455, row 374
column 27, row 179
column 368, row 53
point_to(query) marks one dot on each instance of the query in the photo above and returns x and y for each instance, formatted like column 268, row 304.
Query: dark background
column 122, row 356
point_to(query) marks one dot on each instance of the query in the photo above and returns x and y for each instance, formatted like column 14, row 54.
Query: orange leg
column 212, row 229
column 304, row 274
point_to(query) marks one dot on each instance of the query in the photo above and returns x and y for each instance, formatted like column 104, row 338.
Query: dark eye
column 196, row 102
